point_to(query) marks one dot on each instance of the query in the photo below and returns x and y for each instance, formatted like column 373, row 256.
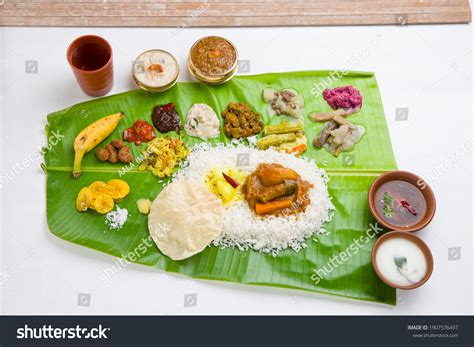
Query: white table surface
column 424, row 68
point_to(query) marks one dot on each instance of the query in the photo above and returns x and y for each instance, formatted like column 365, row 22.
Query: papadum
column 184, row 218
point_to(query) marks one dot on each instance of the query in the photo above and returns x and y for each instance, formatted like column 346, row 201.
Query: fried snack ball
column 117, row 143
column 124, row 155
column 102, row 154
column 113, row 154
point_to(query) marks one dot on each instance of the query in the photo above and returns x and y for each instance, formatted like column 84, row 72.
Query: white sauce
column 202, row 121
column 146, row 71
column 415, row 268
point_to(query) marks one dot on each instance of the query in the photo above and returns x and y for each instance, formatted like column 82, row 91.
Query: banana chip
column 117, row 189
column 101, row 196
column 83, row 200
column 103, row 204
column 93, row 196
column 98, row 187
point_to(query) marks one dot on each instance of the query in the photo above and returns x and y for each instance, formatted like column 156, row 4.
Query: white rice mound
column 243, row 229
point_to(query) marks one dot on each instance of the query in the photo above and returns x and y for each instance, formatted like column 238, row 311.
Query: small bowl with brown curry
column 213, row 60
column 402, row 201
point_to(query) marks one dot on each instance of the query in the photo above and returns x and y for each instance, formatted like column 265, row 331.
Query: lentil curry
column 213, row 55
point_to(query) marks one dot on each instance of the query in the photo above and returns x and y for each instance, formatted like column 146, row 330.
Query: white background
column 424, row 68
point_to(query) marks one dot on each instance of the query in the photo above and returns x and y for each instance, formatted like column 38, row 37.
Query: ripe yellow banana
column 91, row 136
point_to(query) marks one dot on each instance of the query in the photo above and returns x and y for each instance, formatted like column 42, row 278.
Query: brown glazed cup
column 416, row 181
column 417, row 241
column 90, row 58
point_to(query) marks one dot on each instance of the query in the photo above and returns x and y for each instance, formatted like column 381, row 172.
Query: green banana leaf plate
column 342, row 257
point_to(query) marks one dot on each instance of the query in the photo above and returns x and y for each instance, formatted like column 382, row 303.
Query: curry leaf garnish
column 387, row 204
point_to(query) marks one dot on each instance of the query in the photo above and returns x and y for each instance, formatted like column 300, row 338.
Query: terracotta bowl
column 99, row 80
column 411, row 237
column 413, row 179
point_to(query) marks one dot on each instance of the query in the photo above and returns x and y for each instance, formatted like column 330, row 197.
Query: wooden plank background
column 195, row 13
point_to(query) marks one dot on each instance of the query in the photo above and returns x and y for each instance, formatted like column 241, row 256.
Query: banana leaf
column 350, row 177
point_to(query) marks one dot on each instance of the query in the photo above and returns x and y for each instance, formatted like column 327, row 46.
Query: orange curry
column 273, row 189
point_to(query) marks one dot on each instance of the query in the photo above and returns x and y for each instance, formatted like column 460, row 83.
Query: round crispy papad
column 184, row 218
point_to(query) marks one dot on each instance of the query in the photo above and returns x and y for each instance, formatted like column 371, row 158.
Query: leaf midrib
column 330, row 171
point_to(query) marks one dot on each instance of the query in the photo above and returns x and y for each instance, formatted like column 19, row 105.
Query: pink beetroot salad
column 343, row 97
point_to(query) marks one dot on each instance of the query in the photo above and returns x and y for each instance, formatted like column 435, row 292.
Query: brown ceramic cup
column 417, row 241
column 416, row 181
column 90, row 58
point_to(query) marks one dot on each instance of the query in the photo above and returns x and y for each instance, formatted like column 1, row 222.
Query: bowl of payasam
column 155, row 70
column 213, row 60
column 402, row 201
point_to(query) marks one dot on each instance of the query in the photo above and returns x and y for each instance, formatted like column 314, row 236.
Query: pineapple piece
column 221, row 188
column 237, row 175
column 226, row 191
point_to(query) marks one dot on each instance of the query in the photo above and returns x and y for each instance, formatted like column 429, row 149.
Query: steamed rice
column 243, row 229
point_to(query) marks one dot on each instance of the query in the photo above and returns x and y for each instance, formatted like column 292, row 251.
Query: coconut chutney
column 202, row 121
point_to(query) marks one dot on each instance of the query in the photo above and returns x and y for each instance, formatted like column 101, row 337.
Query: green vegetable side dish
column 285, row 136
column 388, row 205
column 309, row 269
column 283, row 128
column 275, row 140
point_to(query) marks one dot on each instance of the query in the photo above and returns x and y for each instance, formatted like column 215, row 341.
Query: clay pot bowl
column 416, row 181
column 411, row 237
column 99, row 80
